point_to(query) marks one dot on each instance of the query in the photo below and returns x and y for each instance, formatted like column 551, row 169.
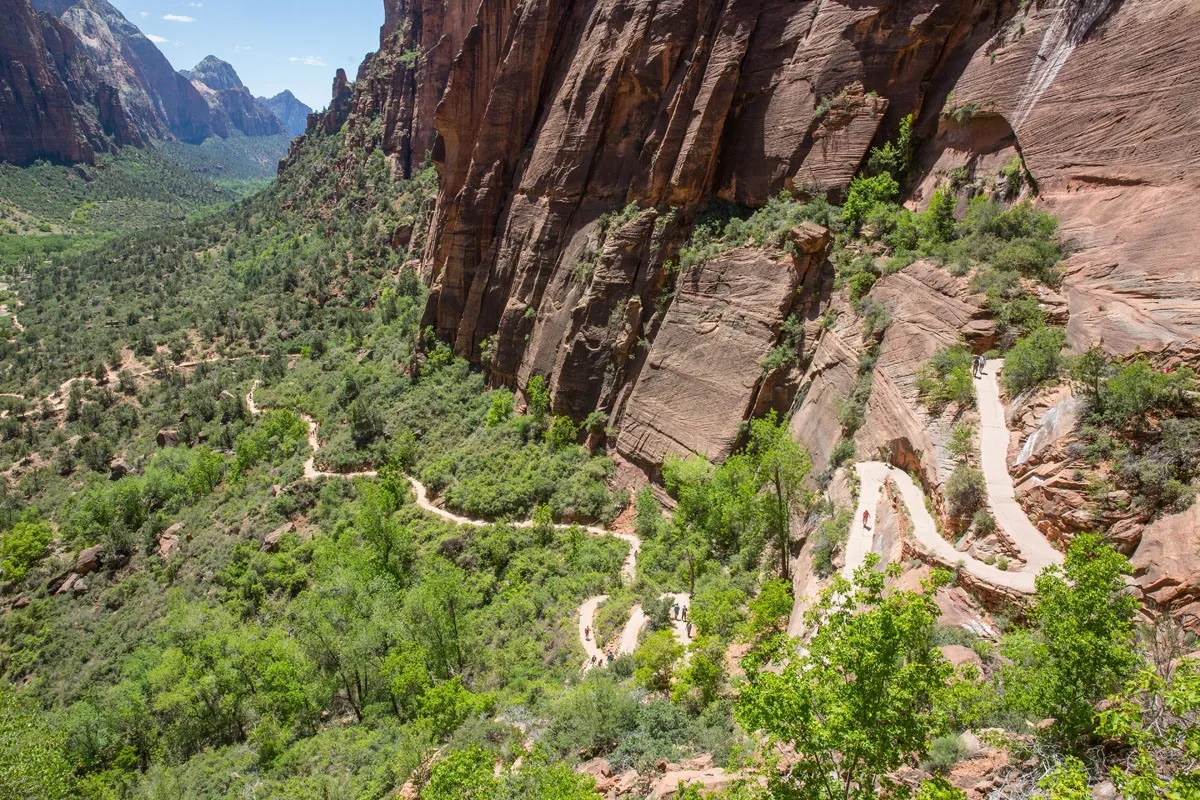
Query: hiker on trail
column 685, row 612
column 587, row 633
column 689, row 630
column 677, row 611
column 980, row 366
column 610, row 657
column 866, row 518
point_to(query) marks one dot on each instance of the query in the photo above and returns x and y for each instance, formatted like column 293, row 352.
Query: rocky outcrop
column 708, row 353
column 233, row 109
column 290, row 111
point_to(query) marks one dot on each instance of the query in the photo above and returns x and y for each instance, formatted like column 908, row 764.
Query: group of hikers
column 679, row 613
column 978, row 365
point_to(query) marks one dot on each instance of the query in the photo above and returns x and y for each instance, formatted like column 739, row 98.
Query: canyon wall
column 578, row 143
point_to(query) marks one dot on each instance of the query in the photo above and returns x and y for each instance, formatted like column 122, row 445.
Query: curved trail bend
column 1036, row 551
column 587, row 611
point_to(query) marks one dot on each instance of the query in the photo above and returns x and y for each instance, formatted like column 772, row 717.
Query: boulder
column 168, row 438
column 169, row 540
column 89, row 560
column 79, row 588
column 118, row 468
column 271, row 541
column 958, row 655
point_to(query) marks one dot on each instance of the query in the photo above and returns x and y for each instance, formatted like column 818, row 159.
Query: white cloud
column 242, row 48
column 143, row 14
column 157, row 39
column 309, row 61
column 178, row 18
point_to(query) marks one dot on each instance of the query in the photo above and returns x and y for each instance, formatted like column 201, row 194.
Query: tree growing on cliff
column 862, row 701
column 783, row 466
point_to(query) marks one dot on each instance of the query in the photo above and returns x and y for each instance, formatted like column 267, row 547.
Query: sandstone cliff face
column 556, row 113
column 162, row 103
column 547, row 118
column 1101, row 97
column 46, row 87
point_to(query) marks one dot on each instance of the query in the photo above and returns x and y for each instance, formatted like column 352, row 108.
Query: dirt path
column 587, row 611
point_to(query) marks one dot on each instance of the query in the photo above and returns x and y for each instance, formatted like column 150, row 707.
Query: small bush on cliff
column 946, row 378
column 966, row 491
column 1035, row 359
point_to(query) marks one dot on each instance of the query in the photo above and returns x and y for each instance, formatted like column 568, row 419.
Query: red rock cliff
column 547, row 118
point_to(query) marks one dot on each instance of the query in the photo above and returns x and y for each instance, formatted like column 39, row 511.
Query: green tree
column 655, row 659
column 783, row 466
column 862, row 701
column 500, row 409
column 1067, row 781
column 1157, row 716
column 966, row 491
column 1033, row 360
column 938, row 219
column 561, row 433
column 649, row 514
column 718, row 608
column 462, row 775
column 1080, row 648
column 865, row 195
column 591, row 718
column 21, row 547
column 702, row 676
column 31, row 757
column 538, row 395
column 1089, row 370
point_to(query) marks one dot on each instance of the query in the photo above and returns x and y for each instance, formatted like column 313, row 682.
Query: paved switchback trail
column 1036, row 551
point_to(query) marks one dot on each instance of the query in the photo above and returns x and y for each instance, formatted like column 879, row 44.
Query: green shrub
column 966, row 491
column 865, row 195
column 944, row 752
column 946, row 378
column 843, row 453
column 860, row 284
column 983, row 522
column 21, row 547
column 1036, row 358
column 828, row 540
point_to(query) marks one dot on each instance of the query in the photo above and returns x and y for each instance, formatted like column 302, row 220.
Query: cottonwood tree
column 863, row 699
column 1080, row 648
column 783, row 466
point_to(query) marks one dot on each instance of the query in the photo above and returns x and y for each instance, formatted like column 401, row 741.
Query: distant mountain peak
column 291, row 111
column 216, row 74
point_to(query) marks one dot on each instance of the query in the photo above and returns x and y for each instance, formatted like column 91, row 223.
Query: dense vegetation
column 247, row 630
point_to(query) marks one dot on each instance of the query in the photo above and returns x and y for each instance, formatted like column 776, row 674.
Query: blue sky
column 273, row 44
